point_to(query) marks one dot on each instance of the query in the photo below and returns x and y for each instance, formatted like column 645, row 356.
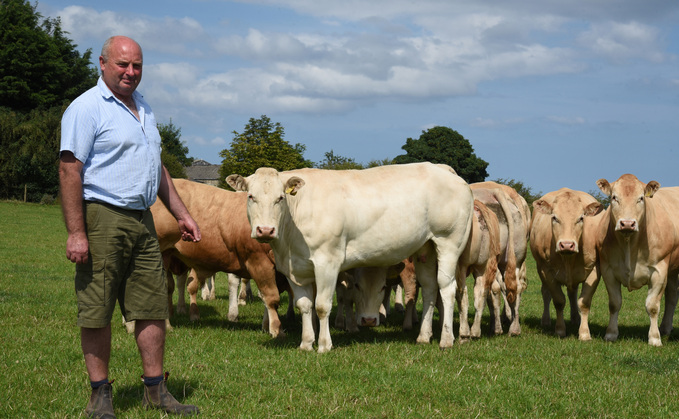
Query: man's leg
column 96, row 346
column 150, row 336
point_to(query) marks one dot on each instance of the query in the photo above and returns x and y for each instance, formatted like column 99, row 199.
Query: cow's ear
column 293, row 185
column 604, row 186
column 542, row 206
column 237, row 182
column 593, row 209
column 651, row 188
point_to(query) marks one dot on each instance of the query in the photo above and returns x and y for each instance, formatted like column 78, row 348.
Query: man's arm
column 71, row 185
column 173, row 202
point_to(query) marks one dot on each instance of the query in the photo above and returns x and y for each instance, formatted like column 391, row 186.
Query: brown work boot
column 101, row 403
column 157, row 397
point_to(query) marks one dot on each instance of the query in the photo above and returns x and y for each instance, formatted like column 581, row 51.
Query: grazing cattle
column 480, row 258
column 364, row 290
column 322, row 222
column 563, row 240
column 640, row 247
column 226, row 245
column 513, row 216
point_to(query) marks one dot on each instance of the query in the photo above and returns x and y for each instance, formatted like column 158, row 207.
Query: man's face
column 122, row 71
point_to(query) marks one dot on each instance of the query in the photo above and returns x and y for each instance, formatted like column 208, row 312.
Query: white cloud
column 619, row 42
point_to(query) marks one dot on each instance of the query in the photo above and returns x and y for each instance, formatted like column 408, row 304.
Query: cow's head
column 568, row 213
column 370, row 289
column 628, row 201
column 267, row 203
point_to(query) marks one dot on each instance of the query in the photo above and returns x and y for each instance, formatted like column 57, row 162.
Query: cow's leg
column 447, row 267
column 385, row 307
column 208, row 290
column 480, row 295
column 559, row 300
column 573, row 302
column 245, row 294
column 495, row 305
column 268, row 291
column 462, row 297
column 614, row 304
column 411, row 292
column 234, row 281
column 546, row 300
column 398, row 298
column 512, row 309
column 655, row 292
column 341, row 293
column 303, row 296
column 326, row 279
column 585, row 302
column 181, row 288
column 194, row 285
column 426, row 276
column 671, row 297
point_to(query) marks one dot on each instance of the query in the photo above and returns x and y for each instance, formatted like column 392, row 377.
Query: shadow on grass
column 129, row 396
column 596, row 330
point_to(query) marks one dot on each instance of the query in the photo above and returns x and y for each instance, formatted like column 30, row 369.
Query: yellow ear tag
column 289, row 190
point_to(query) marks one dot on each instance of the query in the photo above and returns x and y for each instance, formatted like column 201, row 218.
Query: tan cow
column 480, row 259
column 364, row 289
column 322, row 222
column 640, row 247
column 563, row 240
column 226, row 245
column 513, row 216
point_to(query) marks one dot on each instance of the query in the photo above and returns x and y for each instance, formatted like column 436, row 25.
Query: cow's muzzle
column 265, row 234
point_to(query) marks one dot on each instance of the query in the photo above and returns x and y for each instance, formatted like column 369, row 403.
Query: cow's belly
column 633, row 280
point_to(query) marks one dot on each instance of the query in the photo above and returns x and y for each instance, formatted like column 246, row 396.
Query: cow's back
column 384, row 214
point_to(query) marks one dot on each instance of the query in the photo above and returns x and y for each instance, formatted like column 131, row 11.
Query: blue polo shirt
column 120, row 154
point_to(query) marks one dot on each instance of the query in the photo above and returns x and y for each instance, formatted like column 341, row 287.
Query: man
column 110, row 174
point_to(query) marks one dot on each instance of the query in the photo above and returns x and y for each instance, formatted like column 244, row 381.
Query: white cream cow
column 322, row 222
column 563, row 240
column 640, row 247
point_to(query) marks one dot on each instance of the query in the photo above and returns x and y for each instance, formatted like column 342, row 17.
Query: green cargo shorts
column 124, row 264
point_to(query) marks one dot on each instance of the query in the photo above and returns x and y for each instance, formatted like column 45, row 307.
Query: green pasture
column 236, row 370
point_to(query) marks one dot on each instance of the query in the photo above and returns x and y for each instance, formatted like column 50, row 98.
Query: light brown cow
column 640, row 247
column 563, row 239
column 226, row 245
column 480, row 259
column 513, row 215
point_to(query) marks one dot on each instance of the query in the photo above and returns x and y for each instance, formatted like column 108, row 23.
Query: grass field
column 236, row 370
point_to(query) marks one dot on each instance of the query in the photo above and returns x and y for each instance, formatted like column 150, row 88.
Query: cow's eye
column 581, row 219
column 251, row 198
column 279, row 199
column 614, row 199
column 555, row 220
column 641, row 199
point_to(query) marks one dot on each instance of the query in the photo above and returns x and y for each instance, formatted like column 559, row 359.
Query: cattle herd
column 357, row 233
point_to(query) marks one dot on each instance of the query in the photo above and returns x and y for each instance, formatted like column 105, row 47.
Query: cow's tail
column 490, row 220
column 511, row 283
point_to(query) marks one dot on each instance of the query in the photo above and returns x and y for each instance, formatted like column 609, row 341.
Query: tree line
column 41, row 72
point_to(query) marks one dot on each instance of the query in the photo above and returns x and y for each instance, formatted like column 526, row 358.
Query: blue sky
column 551, row 93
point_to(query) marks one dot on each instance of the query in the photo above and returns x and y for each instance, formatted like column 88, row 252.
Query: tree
column 29, row 153
column 40, row 73
column 170, row 137
column 173, row 166
column 447, row 146
column 334, row 162
column 39, row 66
column 260, row 145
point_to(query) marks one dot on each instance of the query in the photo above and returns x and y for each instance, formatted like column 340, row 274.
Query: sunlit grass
column 236, row 370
